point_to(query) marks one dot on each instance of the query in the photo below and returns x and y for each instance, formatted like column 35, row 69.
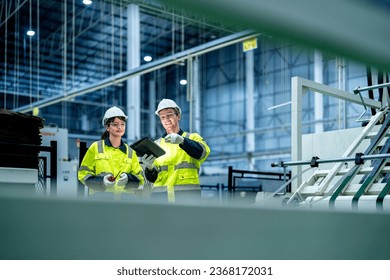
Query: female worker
column 110, row 165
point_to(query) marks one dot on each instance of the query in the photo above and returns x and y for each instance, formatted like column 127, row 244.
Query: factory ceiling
column 76, row 44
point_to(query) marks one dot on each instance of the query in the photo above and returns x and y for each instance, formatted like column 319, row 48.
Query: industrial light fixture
column 183, row 82
column 87, row 2
column 30, row 33
column 147, row 58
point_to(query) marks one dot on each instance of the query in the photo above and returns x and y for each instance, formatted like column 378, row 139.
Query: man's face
column 170, row 120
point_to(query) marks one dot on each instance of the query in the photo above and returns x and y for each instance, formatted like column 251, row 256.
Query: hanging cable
column 16, row 55
column 5, row 59
column 73, row 41
column 112, row 38
column 64, row 64
column 182, row 34
column 64, row 52
column 30, row 41
column 120, row 43
column 173, row 33
column 38, row 50
column 120, row 37
column 104, row 91
column 190, row 98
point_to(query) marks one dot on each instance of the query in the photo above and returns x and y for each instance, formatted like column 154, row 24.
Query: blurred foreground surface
column 54, row 228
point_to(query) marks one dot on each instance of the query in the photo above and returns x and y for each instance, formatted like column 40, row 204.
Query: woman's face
column 116, row 127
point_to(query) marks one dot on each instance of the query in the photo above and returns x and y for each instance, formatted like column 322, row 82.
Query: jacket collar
column 121, row 147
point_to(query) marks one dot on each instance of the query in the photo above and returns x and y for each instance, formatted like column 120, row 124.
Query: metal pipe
column 343, row 159
column 360, row 89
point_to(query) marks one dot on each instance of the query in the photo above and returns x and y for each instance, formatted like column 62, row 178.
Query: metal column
column 296, row 128
column 152, row 108
column 196, row 95
column 133, row 83
column 250, row 108
column 318, row 98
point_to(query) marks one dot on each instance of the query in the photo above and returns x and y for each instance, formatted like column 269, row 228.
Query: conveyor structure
column 363, row 185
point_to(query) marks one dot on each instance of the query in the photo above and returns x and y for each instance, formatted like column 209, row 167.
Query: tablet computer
column 148, row 147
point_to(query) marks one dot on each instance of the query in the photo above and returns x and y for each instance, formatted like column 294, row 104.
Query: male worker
column 179, row 167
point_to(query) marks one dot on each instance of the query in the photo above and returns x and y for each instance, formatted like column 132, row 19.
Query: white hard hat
column 167, row 103
column 113, row 112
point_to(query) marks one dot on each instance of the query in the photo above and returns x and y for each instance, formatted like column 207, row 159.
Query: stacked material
column 20, row 139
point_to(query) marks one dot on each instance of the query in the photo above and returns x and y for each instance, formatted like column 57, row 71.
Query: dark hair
column 107, row 123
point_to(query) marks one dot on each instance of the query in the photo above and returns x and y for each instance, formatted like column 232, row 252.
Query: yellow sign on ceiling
column 249, row 44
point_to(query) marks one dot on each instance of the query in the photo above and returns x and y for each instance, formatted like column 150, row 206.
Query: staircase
column 364, row 181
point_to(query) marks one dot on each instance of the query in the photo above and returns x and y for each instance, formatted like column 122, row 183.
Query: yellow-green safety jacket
column 177, row 169
column 101, row 160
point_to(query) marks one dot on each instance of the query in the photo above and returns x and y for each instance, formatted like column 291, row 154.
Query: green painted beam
column 347, row 28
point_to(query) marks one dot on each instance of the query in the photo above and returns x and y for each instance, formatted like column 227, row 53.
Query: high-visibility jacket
column 101, row 159
column 177, row 169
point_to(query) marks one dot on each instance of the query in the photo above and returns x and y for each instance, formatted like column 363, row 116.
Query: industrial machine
column 65, row 183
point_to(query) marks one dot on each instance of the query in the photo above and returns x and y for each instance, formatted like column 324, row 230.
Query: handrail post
column 53, row 168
